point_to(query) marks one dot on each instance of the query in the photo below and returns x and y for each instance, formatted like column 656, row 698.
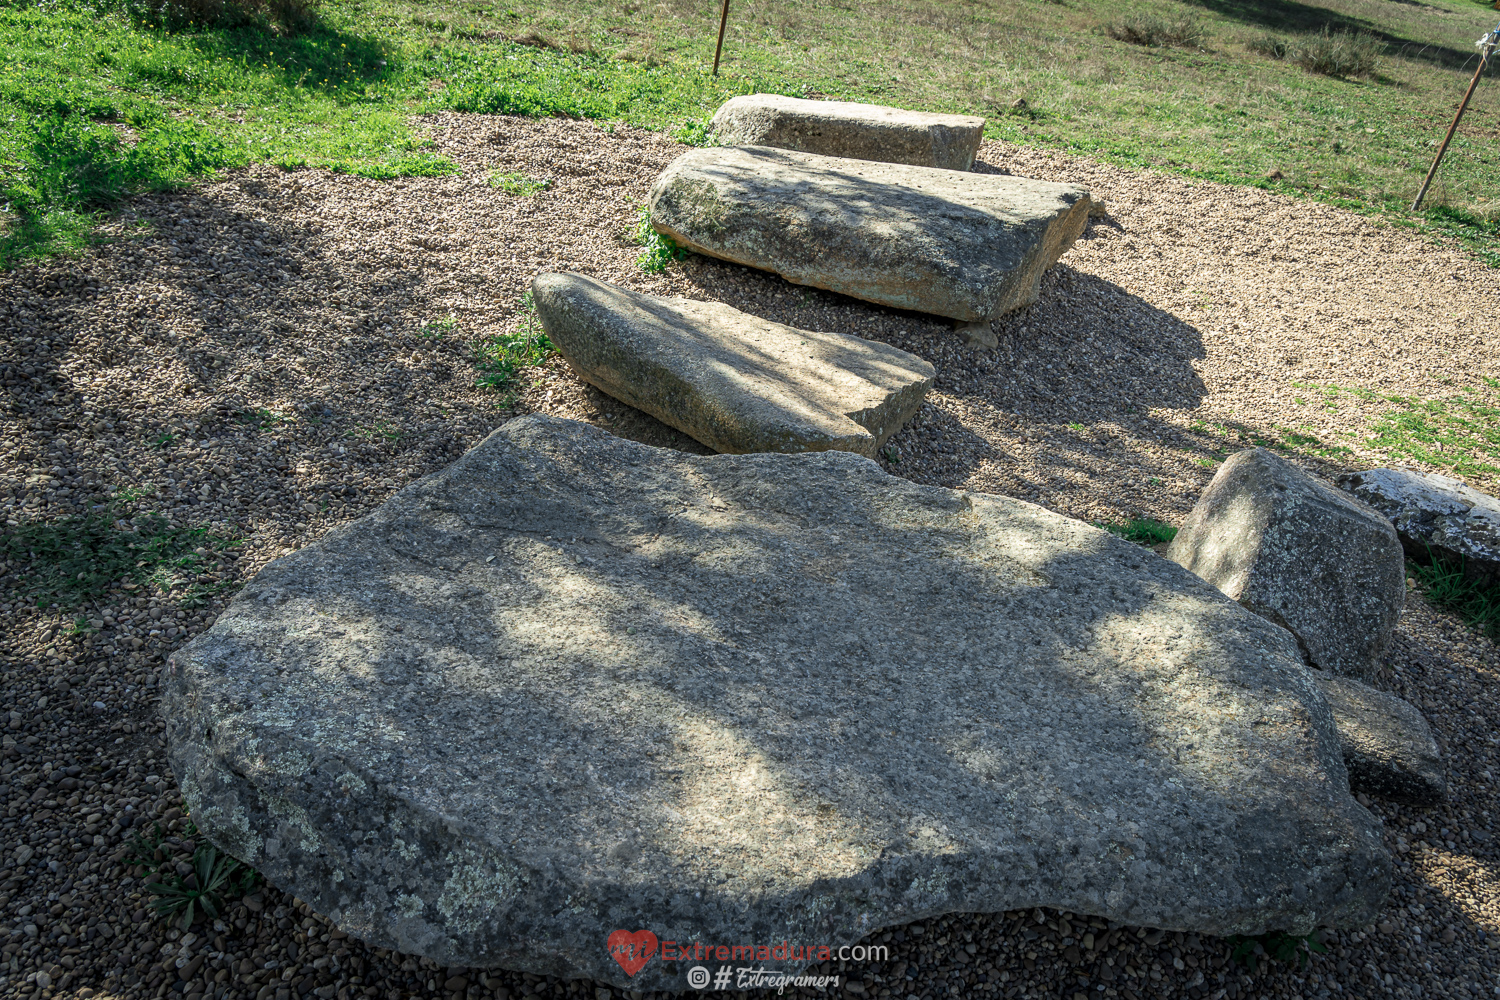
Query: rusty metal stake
column 723, row 20
column 1486, row 49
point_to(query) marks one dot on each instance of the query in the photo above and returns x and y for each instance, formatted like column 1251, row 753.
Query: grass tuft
column 1449, row 585
column 1141, row 530
column 1155, row 31
column 1340, row 53
column 519, row 184
column 660, row 249
column 204, row 893
column 500, row 359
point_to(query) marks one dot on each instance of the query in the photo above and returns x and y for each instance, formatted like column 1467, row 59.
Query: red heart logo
column 632, row 951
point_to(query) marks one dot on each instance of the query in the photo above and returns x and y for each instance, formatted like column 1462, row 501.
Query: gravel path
column 272, row 355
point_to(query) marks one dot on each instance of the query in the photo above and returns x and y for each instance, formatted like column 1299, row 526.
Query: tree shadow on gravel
column 1084, row 363
column 213, row 319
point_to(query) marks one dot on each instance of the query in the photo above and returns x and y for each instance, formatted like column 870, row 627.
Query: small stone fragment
column 963, row 245
column 1311, row 558
column 1388, row 746
column 846, row 128
column 733, row 381
column 1435, row 516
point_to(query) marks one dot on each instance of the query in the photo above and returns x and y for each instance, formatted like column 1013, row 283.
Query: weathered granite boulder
column 734, row 381
column 1388, row 748
column 1435, row 516
column 967, row 246
column 1309, row 557
column 846, row 128
column 573, row 685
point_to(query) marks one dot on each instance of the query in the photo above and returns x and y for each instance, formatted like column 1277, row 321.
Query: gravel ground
column 269, row 356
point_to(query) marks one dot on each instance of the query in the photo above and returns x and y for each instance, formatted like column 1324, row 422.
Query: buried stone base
column 573, row 685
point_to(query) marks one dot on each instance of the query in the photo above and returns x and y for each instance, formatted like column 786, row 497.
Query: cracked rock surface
column 681, row 692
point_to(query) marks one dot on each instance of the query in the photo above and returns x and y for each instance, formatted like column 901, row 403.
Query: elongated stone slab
column 967, row 246
column 573, row 685
column 847, row 128
column 731, row 380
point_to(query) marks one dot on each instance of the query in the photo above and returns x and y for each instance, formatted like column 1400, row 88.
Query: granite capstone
column 572, row 684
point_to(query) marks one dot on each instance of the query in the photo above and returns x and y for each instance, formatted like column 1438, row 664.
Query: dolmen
column 579, row 706
column 733, row 381
column 849, row 129
column 970, row 247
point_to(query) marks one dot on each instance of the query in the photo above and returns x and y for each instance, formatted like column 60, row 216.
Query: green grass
column 660, row 250
column 499, row 360
column 1448, row 585
column 1459, row 433
column 1141, row 530
column 98, row 103
column 73, row 559
column 519, row 184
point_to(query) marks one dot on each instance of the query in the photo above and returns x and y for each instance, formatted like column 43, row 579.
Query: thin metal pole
column 723, row 20
column 1432, row 171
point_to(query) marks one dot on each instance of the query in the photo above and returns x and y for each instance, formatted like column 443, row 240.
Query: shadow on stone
column 748, row 699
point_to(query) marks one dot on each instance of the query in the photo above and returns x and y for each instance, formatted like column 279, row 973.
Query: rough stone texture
column 572, row 684
column 734, row 381
column 1435, row 516
column 846, row 128
column 1309, row 557
column 1388, row 747
column 967, row 246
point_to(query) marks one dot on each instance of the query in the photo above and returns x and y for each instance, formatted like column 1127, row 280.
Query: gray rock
column 1309, row 557
column 845, row 128
column 734, row 381
column 1435, row 516
column 1388, row 748
column 573, row 685
column 967, row 246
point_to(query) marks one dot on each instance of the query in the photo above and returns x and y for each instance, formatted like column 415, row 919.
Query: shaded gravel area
column 260, row 359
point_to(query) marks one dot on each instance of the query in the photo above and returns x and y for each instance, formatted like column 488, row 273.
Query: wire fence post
column 1486, row 49
column 723, row 20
